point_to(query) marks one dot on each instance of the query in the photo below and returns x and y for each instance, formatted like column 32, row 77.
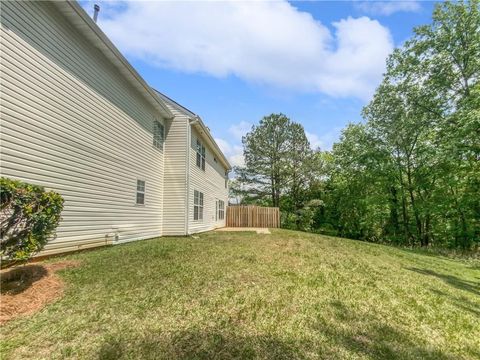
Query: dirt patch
column 27, row 289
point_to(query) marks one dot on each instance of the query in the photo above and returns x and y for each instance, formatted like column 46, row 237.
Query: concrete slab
column 257, row 230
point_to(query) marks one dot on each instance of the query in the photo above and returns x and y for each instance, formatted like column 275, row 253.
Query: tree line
column 409, row 174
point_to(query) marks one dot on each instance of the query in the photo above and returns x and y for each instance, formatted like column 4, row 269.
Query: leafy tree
column 29, row 216
column 410, row 175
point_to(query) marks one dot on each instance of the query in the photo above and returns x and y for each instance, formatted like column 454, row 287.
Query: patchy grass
column 242, row 295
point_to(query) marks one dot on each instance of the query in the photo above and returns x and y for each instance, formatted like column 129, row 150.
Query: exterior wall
column 175, row 185
column 72, row 123
column 211, row 182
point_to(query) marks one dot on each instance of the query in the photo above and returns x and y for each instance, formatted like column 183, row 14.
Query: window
column 197, row 205
column 158, row 135
column 200, row 155
column 221, row 210
column 140, row 192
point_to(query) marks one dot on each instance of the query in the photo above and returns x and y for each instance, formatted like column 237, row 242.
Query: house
column 77, row 118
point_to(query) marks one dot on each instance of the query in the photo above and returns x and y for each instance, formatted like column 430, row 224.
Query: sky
column 233, row 62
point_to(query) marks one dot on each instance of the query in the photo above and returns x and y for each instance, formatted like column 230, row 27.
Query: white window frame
column 200, row 155
column 158, row 134
column 221, row 210
column 197, row 205
column 140, row 190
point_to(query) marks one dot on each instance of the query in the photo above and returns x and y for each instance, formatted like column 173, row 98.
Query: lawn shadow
column 19, row 279
column 470, row 286
column 460, row 302
column 197, row 344
column 367, row 335
column 346, row 334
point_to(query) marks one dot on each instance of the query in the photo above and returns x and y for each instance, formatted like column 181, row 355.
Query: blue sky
column 234, row 62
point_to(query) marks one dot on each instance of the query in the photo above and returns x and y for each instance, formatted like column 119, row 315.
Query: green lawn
column 241, row 295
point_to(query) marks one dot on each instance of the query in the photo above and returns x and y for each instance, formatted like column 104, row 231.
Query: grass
column 287, row 295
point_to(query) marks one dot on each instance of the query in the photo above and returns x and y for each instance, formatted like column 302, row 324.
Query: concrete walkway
column 258, row 230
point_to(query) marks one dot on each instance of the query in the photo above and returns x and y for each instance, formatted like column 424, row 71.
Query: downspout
column 190, row 122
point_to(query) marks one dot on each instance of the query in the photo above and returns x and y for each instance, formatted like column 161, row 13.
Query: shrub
column 29, row 216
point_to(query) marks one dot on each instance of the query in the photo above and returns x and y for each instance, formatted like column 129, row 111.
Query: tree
column 266, row 151
column 279, row 168
column 299, row 173
column 411, row 175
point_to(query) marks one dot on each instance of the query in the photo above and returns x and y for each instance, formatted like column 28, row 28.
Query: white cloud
column 223, row 145
column 314, row 140
column 234, row 153
column 387, row 7
column 324, row 141
column 233, row 150
column 237, row 158
column 270, row 43
column 240, row 129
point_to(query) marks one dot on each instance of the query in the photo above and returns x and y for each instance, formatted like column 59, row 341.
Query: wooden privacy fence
column 253, row 216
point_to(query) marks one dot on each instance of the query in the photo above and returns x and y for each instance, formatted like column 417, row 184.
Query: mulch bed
column 27, row 289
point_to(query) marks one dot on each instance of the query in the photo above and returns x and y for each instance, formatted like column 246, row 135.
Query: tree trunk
column 418, row 221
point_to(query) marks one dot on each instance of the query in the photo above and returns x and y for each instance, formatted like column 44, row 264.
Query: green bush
column 29, row 216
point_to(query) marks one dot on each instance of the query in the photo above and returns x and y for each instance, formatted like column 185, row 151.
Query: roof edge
column 71, row 9
column 194, row 117
column 212, row 142
column 175, row 104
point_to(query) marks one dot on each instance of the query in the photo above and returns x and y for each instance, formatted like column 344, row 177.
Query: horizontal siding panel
column 211, row 182
column 175, row 174
column 72, row 123
column 14, row 94
column 38, row 24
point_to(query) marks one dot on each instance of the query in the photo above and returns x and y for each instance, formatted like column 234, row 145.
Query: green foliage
column 266, row 149
column 280, row 167
column 411, row 174
column 279, row 164
column 29, row 217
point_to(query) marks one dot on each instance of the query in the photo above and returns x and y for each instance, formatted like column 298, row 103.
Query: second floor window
column 200, row 155
column 158, row 134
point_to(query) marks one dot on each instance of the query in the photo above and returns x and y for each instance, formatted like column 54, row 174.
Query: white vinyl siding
column 210, row 182
column 72, row 123
column 183, row 177
column 175, row 178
